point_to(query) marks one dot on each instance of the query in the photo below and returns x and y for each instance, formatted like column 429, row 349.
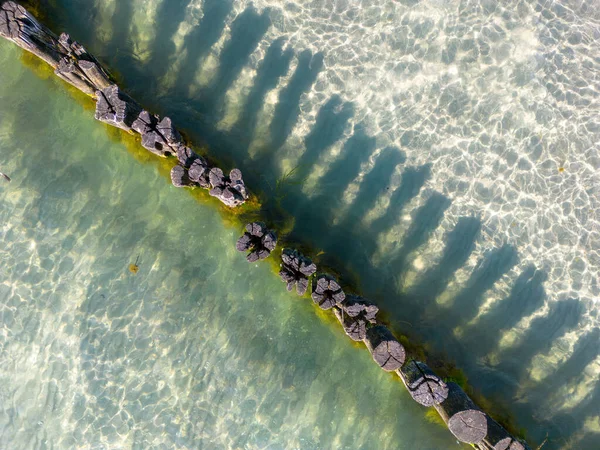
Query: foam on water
column 455, row 143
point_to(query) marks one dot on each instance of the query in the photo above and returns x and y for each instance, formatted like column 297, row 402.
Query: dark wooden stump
column 385, row 348
column 144, row 122
column 154, row 142
column 17, row 25
column 116, row 108
column 149, row 126
column 70, row 60
column 354, row 327
column 196, row 167
column 356, row 306
column 423, row 385
column 95, row 74
column 88, row 67
column 198, row 172
column 72, row 74
column 179, row 177
column 498, row 438
column 231, row 189
column 259, row 239
column 295, row 270
column 167, row 130
column 463, row 418
column 327, row 292
column 186, row 156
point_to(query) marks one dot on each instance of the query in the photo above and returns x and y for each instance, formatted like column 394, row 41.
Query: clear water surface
column 198, row 350
column 446, row 155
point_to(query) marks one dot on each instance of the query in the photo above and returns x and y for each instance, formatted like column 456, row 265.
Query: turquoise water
column 446, row 156
column 199, row 349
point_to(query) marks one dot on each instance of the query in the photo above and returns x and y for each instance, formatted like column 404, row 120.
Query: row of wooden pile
column 76, row 66
column 358, row 317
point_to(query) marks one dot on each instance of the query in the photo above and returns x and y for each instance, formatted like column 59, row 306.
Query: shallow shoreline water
column 196, row 350
column 535, row 337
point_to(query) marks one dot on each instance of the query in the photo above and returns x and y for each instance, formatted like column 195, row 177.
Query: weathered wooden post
column 116, row 108
column 295, row 270
column 18, row 25
column 423, row 385
column 193, row 169
column 354, row 313
column 94, row 72
column 498, row 438
column 158, row 135
column 463, row 418
column 259, row 240
column 70, row 72
column 385, row 348
column 327, row 292
column 70, row 60
column 231, row 189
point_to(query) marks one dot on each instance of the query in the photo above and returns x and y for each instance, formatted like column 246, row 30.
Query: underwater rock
column 179, row 177
column 116, row 108
column 498, row 438
column 327, row 292
column 464, row 419
column 153, row 139
column 295, row 270
column 385, row 348
column 231, row 189
column 257, row 238
column 423, row 385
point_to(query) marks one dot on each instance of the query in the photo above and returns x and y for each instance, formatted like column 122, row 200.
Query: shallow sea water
column 445, row 152
column 197, row 350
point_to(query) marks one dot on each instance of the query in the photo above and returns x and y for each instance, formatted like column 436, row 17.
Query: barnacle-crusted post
column 354, row 313
column 385, row 348
column 423, row 385
column 463, row 418
column 327, row 292
column 259, row 240
column 295, row 270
